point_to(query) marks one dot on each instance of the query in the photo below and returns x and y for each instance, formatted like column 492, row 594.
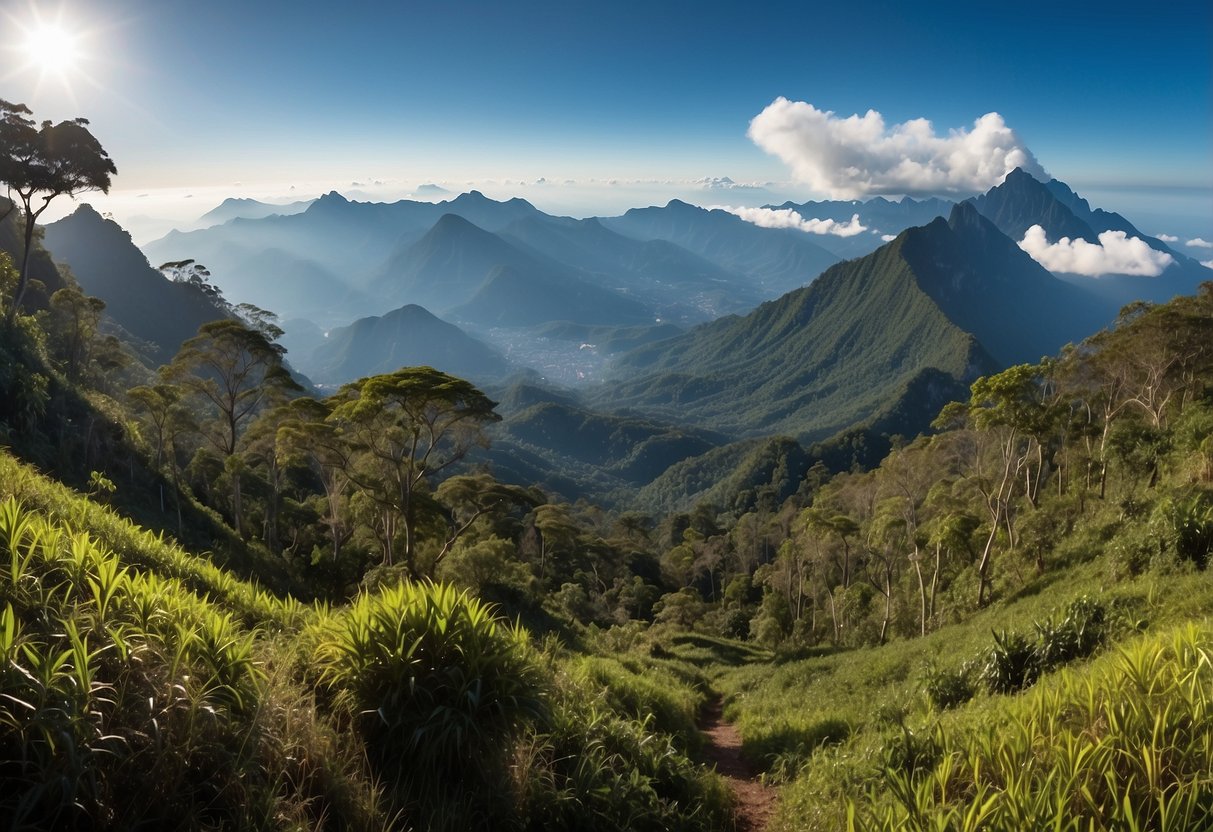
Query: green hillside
column 811, row 363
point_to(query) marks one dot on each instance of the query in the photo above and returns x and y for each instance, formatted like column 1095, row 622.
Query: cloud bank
column 787, row 218
column 858, row 156
column 1116, row 253
column 1198, row 243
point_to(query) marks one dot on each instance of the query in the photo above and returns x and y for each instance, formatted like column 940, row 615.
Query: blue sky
column 186, row 94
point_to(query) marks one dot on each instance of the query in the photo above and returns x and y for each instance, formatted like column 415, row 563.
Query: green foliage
column 123, row 694
column 1125, row 744
column 431, row 678
column 1184, row 524
column 1012, row 664
column 948, row 688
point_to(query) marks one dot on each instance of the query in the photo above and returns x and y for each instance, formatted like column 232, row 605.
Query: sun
column 52, row 48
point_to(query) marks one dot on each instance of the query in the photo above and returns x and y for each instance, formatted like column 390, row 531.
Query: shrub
column 1186, row 525
column 949, row 688
column 1077, row 635
column 429, row 675
column 1011, row 664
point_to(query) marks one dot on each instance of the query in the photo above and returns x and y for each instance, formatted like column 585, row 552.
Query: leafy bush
column 430, row 676
column 586, row 769
column 1079, row 633
column 1011, row 664
column 948, row 688
column 1124, row 744
column 1185, row 524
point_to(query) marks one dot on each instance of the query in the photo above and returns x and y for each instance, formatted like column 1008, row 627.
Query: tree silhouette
column 41, row 162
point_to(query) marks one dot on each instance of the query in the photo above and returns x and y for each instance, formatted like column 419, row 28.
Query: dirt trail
column 755, row 801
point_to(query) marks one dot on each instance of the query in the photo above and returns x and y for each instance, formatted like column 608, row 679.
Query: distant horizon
column 148, row 214
column 790, row 102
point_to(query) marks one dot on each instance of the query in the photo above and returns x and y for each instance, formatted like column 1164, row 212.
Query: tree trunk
column 23, row 273
column 922, row 593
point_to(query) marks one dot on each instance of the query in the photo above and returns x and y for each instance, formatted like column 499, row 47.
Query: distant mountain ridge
column 775, row 260
column 880, row 216
column 250, row 209
column 1022, row 201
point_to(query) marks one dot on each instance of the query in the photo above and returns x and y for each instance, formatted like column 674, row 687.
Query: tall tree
column 235, row 371
column 402, row 430
column 41, row 162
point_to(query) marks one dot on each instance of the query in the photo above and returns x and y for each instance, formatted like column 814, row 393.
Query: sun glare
column 51, row 48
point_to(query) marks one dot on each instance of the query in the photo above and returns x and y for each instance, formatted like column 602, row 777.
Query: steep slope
column 408, row 336
column 137, row 297
column 44, row 277
column 990, row 287
column 1022, row 201
column 955, row 297
column 681, row 286
column 775, row 260
column 813, row 362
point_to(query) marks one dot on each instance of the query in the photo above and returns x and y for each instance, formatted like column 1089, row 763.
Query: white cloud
column 888, row 238
column 787, row 218
column 1116, row 253
column 1198, row 243
column 857, row 156
column 1167, row 238
column 1208, row 264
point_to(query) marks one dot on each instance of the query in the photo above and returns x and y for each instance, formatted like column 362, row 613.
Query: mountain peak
column 454, row 223
column 1022, row 201
column 87, row 212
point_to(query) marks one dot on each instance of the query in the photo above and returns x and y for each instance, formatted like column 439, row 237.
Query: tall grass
column 126, row 699
column 1124, row 744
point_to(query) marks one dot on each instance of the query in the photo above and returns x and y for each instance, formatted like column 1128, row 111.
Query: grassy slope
column 829, row 721
column 146, row 684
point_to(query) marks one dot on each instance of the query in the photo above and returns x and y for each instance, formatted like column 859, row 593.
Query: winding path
column 755, row 801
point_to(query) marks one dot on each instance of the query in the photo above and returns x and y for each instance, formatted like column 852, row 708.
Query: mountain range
column 704, row 333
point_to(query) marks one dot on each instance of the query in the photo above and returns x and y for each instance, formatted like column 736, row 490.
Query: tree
column 41, row 162
column 236, row 371
column 163, row 412
column 467, row 498
column 403, row 429
column 75, row 319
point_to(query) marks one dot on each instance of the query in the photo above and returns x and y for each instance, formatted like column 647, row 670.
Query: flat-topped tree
column 41, row 162
column 402, row 430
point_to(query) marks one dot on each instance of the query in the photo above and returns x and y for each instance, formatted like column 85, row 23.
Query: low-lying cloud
column 1167, row 238
column 1116, row 253
column 1198, row 243
column 787, row 218
column 859, row 156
